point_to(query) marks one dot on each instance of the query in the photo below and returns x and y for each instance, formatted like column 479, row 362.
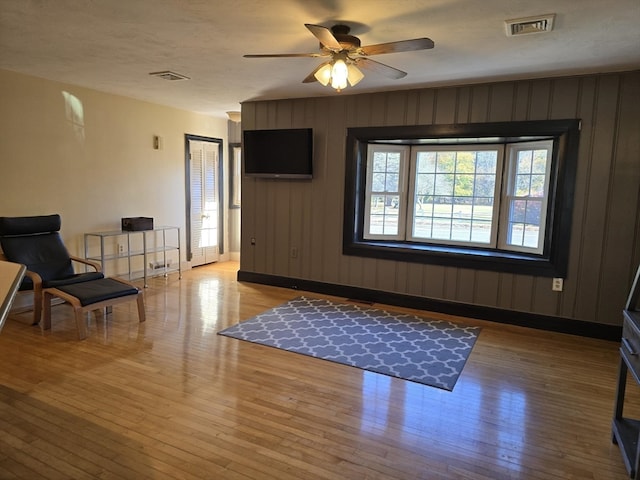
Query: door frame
column 187, row 163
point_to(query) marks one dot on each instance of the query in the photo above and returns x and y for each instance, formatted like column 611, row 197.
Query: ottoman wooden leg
column 141, row 313
column 78, row 310
column 81, row 321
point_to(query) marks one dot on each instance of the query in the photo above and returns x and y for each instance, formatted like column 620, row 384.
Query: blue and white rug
column 431, row 352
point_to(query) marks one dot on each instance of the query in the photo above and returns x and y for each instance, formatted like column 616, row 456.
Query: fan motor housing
column 347, row 42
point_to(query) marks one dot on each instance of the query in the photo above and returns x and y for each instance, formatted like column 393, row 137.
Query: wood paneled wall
column 307, row 215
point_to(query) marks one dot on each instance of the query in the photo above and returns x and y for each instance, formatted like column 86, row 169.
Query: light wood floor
column 170, row 399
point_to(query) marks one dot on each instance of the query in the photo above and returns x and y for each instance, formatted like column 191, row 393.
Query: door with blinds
column 204, row 200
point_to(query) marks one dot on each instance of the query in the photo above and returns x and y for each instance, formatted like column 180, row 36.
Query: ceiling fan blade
column 285, row 55
column 325, row 36
column 311, row 77
column 395, row 47
column 381, row 68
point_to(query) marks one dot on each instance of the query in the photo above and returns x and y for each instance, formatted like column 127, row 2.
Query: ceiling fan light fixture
column 339, row 74
column 355, row 75
column 345, row 51
column 323, row 75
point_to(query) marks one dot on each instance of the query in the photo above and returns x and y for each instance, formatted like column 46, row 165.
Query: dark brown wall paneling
column 307, row 215
column 599, row 161
column 622, row 194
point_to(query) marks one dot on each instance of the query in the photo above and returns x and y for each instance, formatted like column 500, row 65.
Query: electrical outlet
column 120, row 249
column 557, row 284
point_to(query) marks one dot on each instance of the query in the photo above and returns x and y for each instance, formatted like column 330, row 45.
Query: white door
column 205, row 205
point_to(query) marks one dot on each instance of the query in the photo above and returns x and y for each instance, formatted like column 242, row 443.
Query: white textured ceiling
column 113, row 45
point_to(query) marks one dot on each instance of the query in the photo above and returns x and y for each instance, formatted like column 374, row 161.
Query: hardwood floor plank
column 171, row 399
column 23, row 464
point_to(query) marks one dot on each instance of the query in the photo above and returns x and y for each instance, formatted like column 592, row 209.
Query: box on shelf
column 134, row 224
column 158, row 265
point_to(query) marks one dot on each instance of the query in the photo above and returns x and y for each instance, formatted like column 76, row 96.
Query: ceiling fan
column 346, row 56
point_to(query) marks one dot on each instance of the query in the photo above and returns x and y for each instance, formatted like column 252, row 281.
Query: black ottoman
column 92, row 295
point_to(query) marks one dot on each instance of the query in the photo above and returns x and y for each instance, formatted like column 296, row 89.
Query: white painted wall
column 96, row 163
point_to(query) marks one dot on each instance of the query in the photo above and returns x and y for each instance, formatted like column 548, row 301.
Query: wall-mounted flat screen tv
column 284, row 153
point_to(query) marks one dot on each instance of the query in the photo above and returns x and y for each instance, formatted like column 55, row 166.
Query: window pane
column 532, row 215
column 422, row 226
column 383, row 216
column 456, row 202
column 393, row 162
column 378, row 182
column 465, row 162
column 524, row 162
column 484, row 186
column 522, row 185
column 461, row 231
column 531, row 236
column 379, row 162
column 481, row 231
column 445, row 162
column 464, row 185
column 441, row 228
column 386, row 166
column 426, row 162
column 486, row 162
column 537, row 185
column 425, row 184
column 516, row 234
column 444, row 185
column 518, row 210
column 527, row 199
column 539, row 161
column 392, row 184
column 524, row 223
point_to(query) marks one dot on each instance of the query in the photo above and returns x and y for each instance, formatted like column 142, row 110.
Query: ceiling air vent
column 525, row 26
column 168, row 75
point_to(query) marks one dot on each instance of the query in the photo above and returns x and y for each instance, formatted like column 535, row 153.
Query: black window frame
column 552, row 262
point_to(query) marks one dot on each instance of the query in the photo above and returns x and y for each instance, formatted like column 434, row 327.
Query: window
column 525, row 200
column 453, row 194
column 489, row 196
column 386, row 179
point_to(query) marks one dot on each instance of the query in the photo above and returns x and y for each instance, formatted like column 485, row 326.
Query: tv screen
column 285, row 153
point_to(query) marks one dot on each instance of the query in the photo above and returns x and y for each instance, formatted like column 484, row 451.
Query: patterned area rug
column 431, row 352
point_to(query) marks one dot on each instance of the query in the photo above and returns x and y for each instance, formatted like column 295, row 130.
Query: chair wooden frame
column 79, row 310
